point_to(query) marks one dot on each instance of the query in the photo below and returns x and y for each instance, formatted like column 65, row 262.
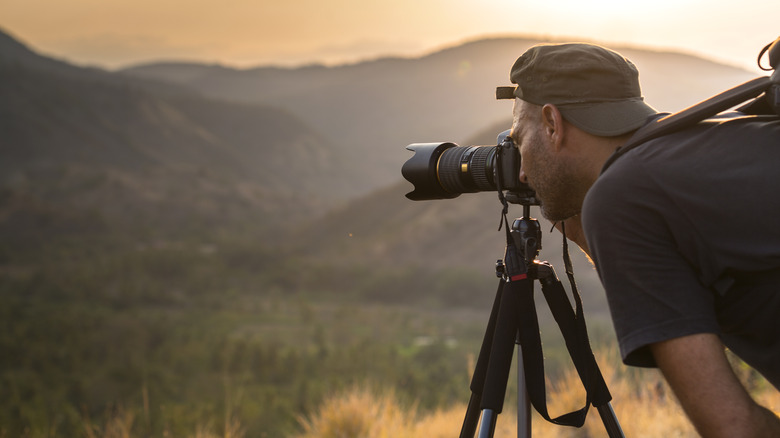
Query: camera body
column 446, row 170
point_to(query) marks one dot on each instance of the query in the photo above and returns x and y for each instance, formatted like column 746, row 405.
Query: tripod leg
column 523, row 403
column 495, row 359
column 488, row 426
column 477, row 386
column 610, row 421
column 501, row 355
column 472, row 417
column 503, row 346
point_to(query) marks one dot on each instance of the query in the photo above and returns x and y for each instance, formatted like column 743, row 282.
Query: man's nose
column 523, row 177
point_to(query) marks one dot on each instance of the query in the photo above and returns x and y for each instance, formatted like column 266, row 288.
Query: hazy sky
column 242, row 33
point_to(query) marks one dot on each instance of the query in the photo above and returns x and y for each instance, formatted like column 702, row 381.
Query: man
column 683, row 229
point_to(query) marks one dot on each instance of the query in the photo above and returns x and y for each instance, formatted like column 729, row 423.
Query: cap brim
column 507, row 92
column 608, row 119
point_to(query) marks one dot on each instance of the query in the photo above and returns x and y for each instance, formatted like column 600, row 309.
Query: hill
column 166, row 150
column 217, row 147
column 371, row 110
column 97, row 149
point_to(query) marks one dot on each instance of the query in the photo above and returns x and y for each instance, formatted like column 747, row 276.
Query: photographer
column 682, row 229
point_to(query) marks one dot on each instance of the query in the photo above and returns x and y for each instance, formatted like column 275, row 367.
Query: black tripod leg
column 501, row 357
column 503, row 347
column 471, row 421
column 610, row 421
column 490, row 378
column 523, row 401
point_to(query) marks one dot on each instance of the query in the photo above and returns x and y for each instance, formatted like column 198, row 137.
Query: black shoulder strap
column 716, row 104
column 694, row 114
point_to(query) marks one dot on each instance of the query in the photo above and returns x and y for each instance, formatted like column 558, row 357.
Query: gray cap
column 596, row 89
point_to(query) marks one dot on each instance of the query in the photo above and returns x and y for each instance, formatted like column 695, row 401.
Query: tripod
column 513, row 320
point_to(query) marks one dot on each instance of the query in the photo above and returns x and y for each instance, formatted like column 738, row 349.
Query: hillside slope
column 371, row 110
column 109, row 151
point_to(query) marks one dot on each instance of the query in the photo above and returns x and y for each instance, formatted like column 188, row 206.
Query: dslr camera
column 445, row 170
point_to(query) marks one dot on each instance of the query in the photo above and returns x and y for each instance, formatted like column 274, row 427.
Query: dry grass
column 361, row 412
column 642, row 401
column 120, row 423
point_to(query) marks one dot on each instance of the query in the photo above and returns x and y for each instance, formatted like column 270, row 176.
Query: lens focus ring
column 482, row 164
column 466, row 169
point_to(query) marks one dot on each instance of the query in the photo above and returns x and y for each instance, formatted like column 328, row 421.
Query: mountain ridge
column 387, row 103
column 279, row 144
column 138, row 149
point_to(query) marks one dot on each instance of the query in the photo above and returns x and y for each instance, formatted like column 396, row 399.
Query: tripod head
column 527, row 235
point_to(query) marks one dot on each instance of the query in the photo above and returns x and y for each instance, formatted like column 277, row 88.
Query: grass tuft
column 642, row 401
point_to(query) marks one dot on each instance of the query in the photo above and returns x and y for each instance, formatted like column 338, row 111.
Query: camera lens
column 445, row 170
column 467, row 169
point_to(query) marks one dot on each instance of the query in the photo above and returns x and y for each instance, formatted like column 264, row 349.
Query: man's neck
column 595, row 152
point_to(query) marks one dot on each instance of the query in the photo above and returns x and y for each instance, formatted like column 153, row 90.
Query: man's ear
column 552, row 123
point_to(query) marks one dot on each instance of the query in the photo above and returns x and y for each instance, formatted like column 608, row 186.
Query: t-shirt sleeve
column 653, row 293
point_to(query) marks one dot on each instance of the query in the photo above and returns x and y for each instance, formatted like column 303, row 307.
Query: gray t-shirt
column 685, row 233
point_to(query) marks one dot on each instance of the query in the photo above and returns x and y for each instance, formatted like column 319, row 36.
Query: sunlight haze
column 245, row 33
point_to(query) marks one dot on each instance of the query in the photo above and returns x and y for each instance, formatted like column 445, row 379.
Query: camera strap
column 574, row 331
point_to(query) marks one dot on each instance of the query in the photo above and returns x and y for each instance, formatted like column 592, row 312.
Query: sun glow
column 599, row 9
column 247, row 32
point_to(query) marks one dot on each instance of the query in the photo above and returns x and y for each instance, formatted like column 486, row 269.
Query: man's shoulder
column 619, row 184
column 664, row 164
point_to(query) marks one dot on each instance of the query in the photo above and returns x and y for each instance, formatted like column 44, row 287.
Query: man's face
column 545, row 172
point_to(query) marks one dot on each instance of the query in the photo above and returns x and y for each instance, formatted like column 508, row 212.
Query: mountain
column 97, row 149
column 163, row 145
column 371, row 110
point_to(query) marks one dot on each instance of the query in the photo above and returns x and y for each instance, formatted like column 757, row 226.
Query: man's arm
column 710, row 393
